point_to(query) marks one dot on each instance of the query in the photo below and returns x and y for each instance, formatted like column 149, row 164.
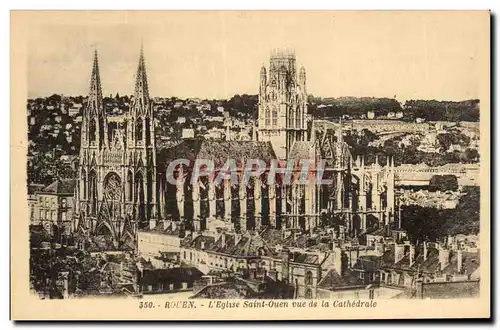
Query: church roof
column 218, row 151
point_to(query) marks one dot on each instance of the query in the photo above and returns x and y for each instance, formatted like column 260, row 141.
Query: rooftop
column 61, row 187
column 218, row 151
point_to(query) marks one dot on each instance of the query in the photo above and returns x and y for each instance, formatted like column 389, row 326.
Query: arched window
column 268, row 117
column 138, row 129
column 148, row 132
column 84, row 181
column 112, row 187
column 139, row 186
column 291, row 118
column 309, row 278
column 275, row 117
column 130, row 186
column 139, row 194
column 298, row 117
column 93, row 191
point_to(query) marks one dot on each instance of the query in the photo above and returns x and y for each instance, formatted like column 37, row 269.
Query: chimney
column 152, row 223
column 444, row 257
column 398, row 252
column 412, row 254
column 196, row 225
column 223, row 240
column 425, row 251
column 166, row 223
column 174, row 225
column 285, row 266
column 459, row 261
column 203, row 245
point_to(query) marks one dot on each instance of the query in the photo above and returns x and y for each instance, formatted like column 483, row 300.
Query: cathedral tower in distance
column 282, row 103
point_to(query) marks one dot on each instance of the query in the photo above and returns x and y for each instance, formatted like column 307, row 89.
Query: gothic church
column 122, row 186
column 117, row 172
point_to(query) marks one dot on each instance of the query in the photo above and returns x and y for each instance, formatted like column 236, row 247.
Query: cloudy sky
column 219, row 54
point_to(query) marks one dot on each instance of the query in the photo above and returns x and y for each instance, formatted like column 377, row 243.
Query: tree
column 472, row 155
column 443, row 183
column 422, row 223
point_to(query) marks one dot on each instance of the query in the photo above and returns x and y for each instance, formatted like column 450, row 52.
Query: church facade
column 116, row 190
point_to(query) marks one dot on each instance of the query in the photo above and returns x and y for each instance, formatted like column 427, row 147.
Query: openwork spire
column 141, row 97
column 94, row 106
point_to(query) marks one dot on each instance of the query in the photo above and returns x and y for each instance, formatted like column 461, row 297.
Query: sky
column 409, row 55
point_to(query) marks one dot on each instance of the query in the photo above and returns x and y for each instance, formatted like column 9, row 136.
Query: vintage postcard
column 259, row 165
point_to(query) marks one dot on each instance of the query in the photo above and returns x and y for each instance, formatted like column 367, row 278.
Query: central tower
column 282, row 103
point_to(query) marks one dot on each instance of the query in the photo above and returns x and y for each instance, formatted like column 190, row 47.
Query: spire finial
column 141, row 99
column 95, row 93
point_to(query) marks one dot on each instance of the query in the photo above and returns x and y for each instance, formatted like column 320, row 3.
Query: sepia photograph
column 250, row 165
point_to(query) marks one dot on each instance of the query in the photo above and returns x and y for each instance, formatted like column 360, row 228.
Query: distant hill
column 432, row 110
column 358, row 107
column 354, row 107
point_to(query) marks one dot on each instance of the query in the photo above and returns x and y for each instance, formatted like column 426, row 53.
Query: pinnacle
column 95, row 91
column 141, row 86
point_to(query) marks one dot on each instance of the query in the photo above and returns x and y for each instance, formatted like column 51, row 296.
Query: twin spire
column 94, row 106
column 141, row 102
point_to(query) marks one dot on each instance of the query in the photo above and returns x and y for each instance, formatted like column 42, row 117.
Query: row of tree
column 429, row 110
column 360, row 144
column 431, row 224
column 432, row 110
column 354, row 107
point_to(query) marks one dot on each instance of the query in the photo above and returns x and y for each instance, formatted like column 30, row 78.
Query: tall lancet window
column 92, row 131
column 84, row 178
column 148, row 133
column 130, row 186
column 298, row 118
column 275, row 117
column 268, row 117
column 138, row 129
